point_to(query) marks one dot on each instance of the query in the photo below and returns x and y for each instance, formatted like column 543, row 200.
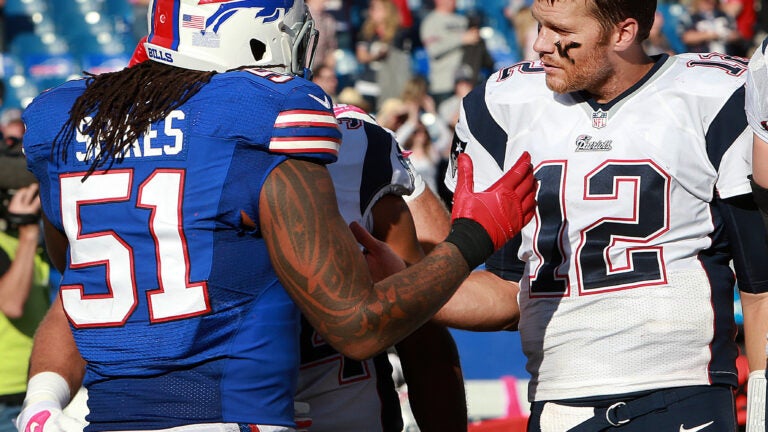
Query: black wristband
column 473, row 241
column 16, row 219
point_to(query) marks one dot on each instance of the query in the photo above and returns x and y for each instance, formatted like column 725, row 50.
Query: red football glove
column 504, row 208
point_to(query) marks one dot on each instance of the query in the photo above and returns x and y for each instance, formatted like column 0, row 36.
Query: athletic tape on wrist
column 756, row 389
column 473, row 241
column 47, row 386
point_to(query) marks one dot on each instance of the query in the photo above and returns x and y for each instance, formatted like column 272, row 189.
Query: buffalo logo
column 270, row 10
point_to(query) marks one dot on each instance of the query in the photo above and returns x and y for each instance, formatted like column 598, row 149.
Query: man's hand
column 505, row 207
column 24, row 212
column 47, row 393
column 25, row 201
column 39, row 417
column 382, row 260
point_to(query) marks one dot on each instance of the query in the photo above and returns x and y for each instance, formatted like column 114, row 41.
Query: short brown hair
column 610, row 12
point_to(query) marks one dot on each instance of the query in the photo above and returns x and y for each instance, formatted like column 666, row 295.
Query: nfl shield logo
column 599, row 119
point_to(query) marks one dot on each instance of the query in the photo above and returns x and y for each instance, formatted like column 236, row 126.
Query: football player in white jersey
column 757, row 115
column 626, row 294
column 371, row 179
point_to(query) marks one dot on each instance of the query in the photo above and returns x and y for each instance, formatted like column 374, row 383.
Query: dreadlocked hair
column 123, row 105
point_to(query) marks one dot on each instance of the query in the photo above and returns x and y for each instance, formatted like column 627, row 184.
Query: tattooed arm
column 319, row 262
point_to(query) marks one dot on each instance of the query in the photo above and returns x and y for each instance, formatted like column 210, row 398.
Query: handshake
column 484, row 221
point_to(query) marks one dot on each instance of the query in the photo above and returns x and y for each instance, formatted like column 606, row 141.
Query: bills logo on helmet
column 268, row 9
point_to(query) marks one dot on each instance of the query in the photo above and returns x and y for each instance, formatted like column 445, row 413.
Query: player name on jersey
column 164, row 138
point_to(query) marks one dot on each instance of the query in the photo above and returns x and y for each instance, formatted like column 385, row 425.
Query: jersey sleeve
column 395, row 176
column 729, row 146
column 305, row 126
column 757, row 92
column 481, row 136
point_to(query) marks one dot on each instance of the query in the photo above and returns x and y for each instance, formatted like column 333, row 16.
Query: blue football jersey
column 172, row 302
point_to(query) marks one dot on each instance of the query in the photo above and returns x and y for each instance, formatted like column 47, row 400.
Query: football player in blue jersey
column 187, row 204
column 643, row 201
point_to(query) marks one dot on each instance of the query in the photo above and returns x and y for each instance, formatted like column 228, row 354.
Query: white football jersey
column 346, row 395
column 626, row 284
column 757, row 85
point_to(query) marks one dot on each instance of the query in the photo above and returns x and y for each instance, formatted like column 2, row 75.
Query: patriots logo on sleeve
column 457, row 148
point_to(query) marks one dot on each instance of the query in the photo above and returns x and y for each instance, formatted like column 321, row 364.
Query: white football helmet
column 219, row 35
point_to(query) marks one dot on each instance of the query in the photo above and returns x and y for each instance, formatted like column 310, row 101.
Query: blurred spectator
column 394, row 114
column 411, row 32
column 448, row 110
column 23, row 297
column 743, row 12
column 657, row 42
column 350, row 96
column 422, row 110
column 325, row 77
column 708, row 28
column 443, row 34
column 423, row 155
column 12, row 130
column 406, row 17
column 380, row 50
column 526, row 30
column 475, row 55
column 326, row 26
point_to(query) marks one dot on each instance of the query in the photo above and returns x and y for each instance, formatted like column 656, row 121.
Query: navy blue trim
column 659, row 61
column 505, row 264
column 377, row 170
column 729, row 123
column 482, row 125
column 747, row 240
column 764, row 45
column 391, row 416
column 715, row 260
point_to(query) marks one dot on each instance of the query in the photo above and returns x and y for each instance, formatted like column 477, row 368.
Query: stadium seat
column 32, row 44
column 50, row 70
column 19, row 92
column 24, row 7
column 10, row 66
column 97, row 63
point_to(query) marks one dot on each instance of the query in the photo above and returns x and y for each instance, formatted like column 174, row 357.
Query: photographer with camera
column 24, row 273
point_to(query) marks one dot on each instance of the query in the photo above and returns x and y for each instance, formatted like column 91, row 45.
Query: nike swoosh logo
column 34, row 426
column 324, row 101
column 696, row 428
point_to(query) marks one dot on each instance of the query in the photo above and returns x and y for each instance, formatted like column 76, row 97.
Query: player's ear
column 625, row 34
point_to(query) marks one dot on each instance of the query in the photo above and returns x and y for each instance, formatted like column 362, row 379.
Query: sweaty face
column 572, row 46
